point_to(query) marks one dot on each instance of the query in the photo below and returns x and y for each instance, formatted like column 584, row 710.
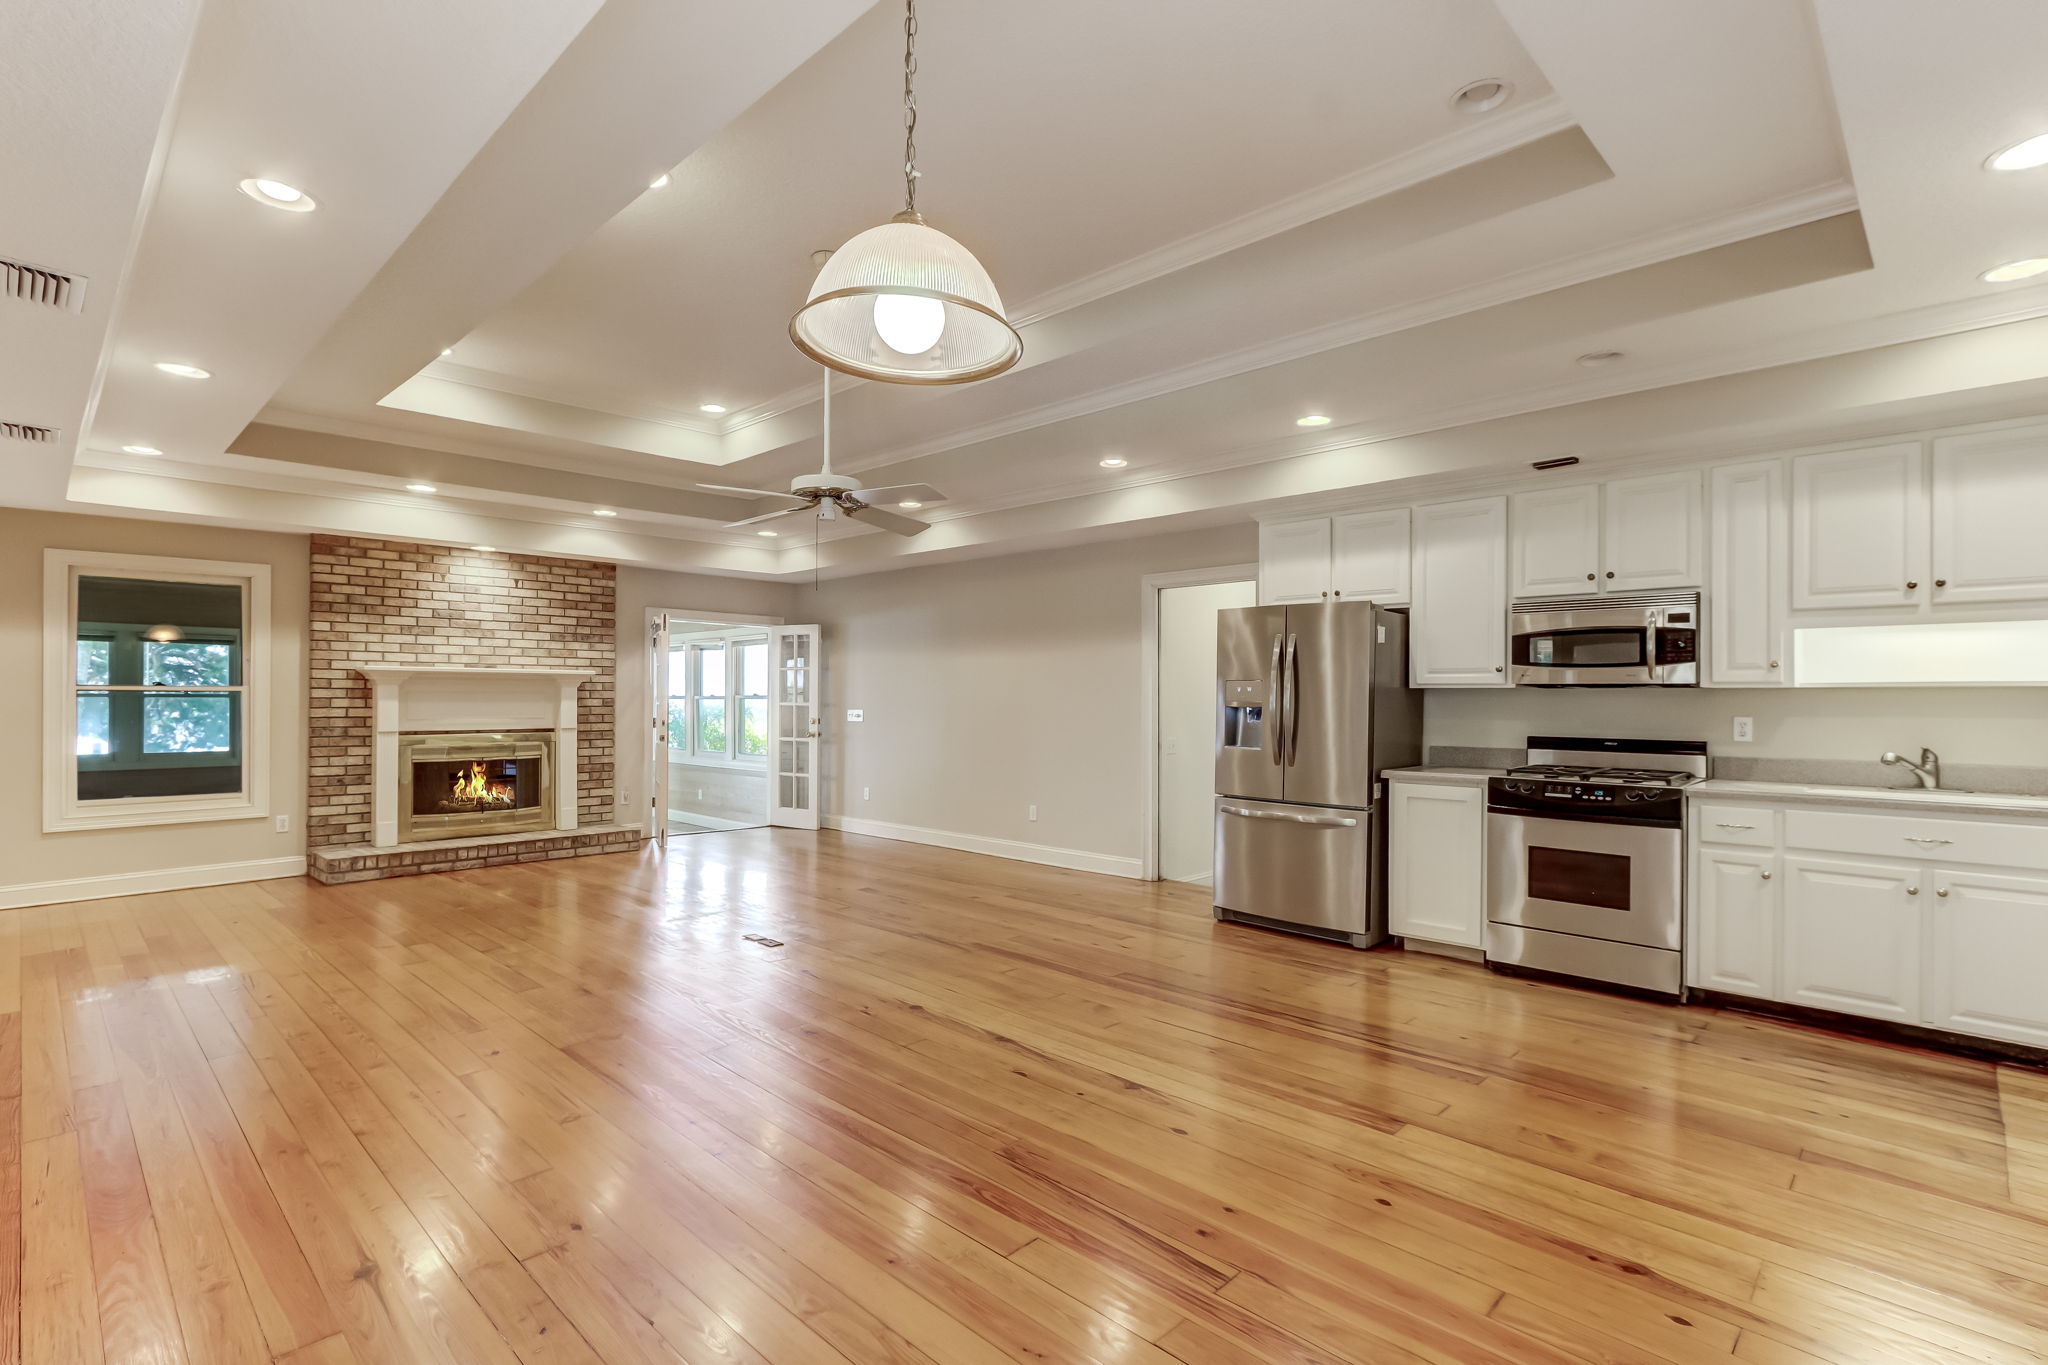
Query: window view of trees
column 712, row 685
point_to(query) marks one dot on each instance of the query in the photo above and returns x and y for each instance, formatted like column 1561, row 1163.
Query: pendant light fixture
column 903, row 302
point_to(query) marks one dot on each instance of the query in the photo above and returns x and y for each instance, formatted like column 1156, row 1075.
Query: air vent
column 50, row 288
column 22, row 431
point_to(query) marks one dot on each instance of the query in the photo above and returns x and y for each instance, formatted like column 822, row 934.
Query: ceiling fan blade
column 888, row 521
column 748, row 492
column 901, row 492
column 770, row 516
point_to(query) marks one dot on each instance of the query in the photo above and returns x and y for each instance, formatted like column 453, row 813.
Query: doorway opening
column 714, row 726
column 1180, row 697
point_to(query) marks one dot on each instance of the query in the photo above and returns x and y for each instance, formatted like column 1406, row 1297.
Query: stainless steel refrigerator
column 1312, row 704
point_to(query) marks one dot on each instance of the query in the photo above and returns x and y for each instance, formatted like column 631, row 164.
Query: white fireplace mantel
column 406, row 699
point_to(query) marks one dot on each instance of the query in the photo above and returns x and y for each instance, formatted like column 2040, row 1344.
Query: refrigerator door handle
column 1291, row 691
column 1275, row 720
column 1328, row 821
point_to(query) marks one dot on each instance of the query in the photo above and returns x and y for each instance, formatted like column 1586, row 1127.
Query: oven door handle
column 1320, row 821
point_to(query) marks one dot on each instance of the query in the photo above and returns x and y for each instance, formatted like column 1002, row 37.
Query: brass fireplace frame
column 465, row 748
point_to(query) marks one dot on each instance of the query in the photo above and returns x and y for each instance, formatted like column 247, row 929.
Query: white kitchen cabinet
column 1852, row 937
column 1369, row 557
column 1556, row 541
column 1650, row 533
column 1436, row 862
column 1987, row 943
column 1294, row 561
column 1859, row 528
column 1990, row 489
column 1457, row 636
column 1627, row 535
column 1735, row 923
column 1746, row 590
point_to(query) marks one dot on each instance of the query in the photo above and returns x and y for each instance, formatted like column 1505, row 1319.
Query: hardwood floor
column 952, row 1111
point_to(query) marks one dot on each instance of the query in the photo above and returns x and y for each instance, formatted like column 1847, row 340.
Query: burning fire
column 472, row 789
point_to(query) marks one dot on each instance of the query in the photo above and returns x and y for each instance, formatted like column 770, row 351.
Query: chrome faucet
column 1928, row 769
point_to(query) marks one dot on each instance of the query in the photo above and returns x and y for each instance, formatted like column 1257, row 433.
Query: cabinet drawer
column 1920, row 838
column 1744, row 826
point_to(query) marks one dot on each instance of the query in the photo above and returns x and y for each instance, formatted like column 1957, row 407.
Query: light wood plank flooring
column 956, row 1111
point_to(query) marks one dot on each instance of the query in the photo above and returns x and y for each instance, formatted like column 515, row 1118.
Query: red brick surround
column 394, row 603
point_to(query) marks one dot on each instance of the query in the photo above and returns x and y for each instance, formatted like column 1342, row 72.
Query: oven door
column 1613, row 646
column 1622, row 883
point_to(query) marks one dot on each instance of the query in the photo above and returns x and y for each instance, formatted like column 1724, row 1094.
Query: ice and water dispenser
column 1244, row 713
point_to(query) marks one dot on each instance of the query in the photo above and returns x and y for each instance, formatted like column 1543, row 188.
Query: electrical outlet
column 864, row 793
column 1745, row 729
column 856, row 715
column 700, row 793
column 1033, row 811
column 284, row 824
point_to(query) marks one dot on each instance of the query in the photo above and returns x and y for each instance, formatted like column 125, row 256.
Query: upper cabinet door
column 1652, row 534
column 1458, row 634
column 1746, row 599
column 1859, row 528
column 1294, row 561
column 1990, row 490
column 1369, row 556
column 1556, row 548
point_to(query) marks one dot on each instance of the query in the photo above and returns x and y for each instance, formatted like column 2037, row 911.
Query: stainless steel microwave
column 1649, row 639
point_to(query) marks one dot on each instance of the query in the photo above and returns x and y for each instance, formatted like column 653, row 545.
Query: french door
column 795, row 722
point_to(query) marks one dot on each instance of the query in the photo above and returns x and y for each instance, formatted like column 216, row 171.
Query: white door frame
column 1148, row 685
column 654, row 635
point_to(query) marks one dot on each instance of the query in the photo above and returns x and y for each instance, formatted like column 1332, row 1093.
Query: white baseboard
column 140, row 883
column 1080, row 860
column 713, row 823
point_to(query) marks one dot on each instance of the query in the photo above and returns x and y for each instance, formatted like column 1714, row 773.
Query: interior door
column 657, row 716
column 795, row 722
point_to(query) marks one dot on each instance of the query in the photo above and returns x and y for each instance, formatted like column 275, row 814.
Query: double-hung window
column 155, row 705
column 718, row 699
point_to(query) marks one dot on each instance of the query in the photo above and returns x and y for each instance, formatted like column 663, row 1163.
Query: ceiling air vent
column 50, row 288
column 22, row 431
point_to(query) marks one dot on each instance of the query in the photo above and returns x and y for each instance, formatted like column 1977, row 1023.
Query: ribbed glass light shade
column 905, row 256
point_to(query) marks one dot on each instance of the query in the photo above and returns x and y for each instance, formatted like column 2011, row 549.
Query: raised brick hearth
column 387, row 605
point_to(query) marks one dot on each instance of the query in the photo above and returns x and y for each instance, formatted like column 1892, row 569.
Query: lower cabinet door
column 1851, row 939
column 1735, row 923
column 1987, row 955
column 1436, row 859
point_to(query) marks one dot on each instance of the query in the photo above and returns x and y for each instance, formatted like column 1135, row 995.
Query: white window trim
column 687, row 644
column 62, row 810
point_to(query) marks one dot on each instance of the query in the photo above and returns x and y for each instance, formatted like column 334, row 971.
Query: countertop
column 1444, row 777
column 1877, row 798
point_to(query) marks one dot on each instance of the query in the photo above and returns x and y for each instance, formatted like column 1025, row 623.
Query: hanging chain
column 910, row 171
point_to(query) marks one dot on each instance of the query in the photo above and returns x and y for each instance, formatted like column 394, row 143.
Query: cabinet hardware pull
column 1499, row 668
column 1610, row 573
column 1941, row 582
column 1912, row 583
column 1774, row 663
column 1943, row 893
column 1719, row 824
column 1766, row 876
column 1917, row 839
column 1912, row 890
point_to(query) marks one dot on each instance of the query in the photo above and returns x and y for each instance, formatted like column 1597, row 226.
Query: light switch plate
column 856, row 715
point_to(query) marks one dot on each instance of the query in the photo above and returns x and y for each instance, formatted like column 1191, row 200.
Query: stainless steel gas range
column 1585, row 860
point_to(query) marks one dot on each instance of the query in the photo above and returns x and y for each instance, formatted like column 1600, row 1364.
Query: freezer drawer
column 1309, row 866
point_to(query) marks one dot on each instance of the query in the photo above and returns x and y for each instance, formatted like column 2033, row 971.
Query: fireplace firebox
column 469, row 786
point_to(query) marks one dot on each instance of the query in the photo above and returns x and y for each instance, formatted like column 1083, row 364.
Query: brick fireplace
column 458, row 658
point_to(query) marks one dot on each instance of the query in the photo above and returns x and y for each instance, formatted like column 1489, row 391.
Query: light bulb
column 909, row 323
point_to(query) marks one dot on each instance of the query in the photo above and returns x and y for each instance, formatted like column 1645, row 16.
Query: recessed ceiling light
column 713, row 408
column 602, row 512
column 279, row 195
column 421, row 488
column 767, row 533
column 447, row 351
column 1314, row 419
column 485, row 549
column 660, row 182
column 1593, row 360
column 142, row 450
column 1488, row 92
column 1113, row 462
column 911, row 504
column 183, row 371
column 2021, row 156
column 2015, row 270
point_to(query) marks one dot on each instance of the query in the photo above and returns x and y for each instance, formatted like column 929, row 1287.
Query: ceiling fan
column 830, row 494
